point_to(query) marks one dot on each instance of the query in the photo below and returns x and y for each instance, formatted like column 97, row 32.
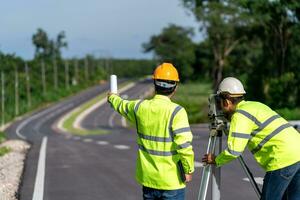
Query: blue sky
column 114, row 28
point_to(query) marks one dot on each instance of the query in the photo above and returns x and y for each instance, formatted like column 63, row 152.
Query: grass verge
column 2, row 137
column 68, row 123
column 3, row 150
column 193, row 96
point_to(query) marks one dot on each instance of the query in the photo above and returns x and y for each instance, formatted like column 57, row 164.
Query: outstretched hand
column 109, row 94
column 209, row 159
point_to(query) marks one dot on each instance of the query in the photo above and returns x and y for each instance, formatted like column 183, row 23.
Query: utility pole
column 28, row 86
column 44, row 78
column 67, row 74
column 76, row 71
column 86, row 67
column 2, row 99
column 98, row 65
column 16, row 92
column 55, row 73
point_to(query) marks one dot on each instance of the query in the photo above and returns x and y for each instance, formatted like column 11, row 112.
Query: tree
column 276, row 23
column 223, row 23
column 46, row 48
column 174, row 44
column 275, row 20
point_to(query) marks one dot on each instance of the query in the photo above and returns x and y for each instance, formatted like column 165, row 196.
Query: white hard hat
column 232, row 86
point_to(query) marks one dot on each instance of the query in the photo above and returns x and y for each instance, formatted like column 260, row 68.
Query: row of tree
column 256, row 41
column 28, row 84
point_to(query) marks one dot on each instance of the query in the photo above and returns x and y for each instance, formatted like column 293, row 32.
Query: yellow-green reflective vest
column 271, row 139
column 163, row 136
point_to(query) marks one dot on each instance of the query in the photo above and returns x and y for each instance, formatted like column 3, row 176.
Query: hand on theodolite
column 209, row 159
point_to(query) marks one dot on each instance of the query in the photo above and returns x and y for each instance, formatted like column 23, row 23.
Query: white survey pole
column 113, row 84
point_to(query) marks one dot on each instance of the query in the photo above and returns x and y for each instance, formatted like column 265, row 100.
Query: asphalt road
column 103, row 166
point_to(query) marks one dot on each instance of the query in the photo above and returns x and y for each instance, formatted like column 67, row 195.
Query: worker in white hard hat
column 274, row 142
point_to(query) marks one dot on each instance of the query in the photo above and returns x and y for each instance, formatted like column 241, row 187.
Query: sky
column 111, row 28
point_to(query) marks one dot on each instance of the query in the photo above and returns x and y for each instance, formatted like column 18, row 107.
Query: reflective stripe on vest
column 235, row 153
column 171, row 121
column 261, row 126
column 162, row 139
column 268, row 137
column 240, row 135
column 157, row 153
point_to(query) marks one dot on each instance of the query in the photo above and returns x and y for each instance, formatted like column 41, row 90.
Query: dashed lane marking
column 87, row 140
column 258, row 180
column 121, row 147
column 102, row 142
column 76, row 138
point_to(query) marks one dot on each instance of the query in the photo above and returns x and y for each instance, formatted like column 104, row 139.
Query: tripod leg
column 206, row 170
column 250, row 176
column 216, row 174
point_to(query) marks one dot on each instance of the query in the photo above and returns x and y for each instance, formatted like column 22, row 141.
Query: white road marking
column 198, row 164
column 122, row 147
column 258, row 180
column 87, row 140
column 62, row 120
column 102, row 142
column 25, row 122
column 38, row 193
column 81, row 116
column 49, row 116
column 76, row 138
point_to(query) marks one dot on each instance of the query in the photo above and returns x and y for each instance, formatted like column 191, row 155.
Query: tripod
column 217, row 129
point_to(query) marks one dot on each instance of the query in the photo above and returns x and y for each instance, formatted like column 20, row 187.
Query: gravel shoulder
column 11, row 168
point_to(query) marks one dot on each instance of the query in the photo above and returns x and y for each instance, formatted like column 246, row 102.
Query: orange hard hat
column 166, row 71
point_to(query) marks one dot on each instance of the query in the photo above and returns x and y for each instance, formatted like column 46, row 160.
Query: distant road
column 103, row 166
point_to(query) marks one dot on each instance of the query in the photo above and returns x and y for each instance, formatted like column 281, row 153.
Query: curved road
column 102, row 166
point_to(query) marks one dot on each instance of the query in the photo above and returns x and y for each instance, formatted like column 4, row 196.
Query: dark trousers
column 282, row 184
column 155, row 194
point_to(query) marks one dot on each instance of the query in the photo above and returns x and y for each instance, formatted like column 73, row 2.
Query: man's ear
column 224, row 102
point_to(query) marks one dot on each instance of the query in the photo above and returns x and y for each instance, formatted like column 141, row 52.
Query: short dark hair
column 163, row 90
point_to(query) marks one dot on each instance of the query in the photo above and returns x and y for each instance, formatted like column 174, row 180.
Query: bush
column 281, row 92
column 2, row 137
column 289, row 114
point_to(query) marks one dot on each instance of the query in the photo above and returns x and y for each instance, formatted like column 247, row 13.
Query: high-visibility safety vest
column 274, row 142
column 163, row 136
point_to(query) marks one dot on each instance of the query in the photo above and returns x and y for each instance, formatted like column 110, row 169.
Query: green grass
column 4, row 150
column 193, row 97
column 2, row 137
column 68, row 123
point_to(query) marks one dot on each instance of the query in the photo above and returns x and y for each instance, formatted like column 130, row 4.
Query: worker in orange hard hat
column 165, row 78
column 165, row 160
